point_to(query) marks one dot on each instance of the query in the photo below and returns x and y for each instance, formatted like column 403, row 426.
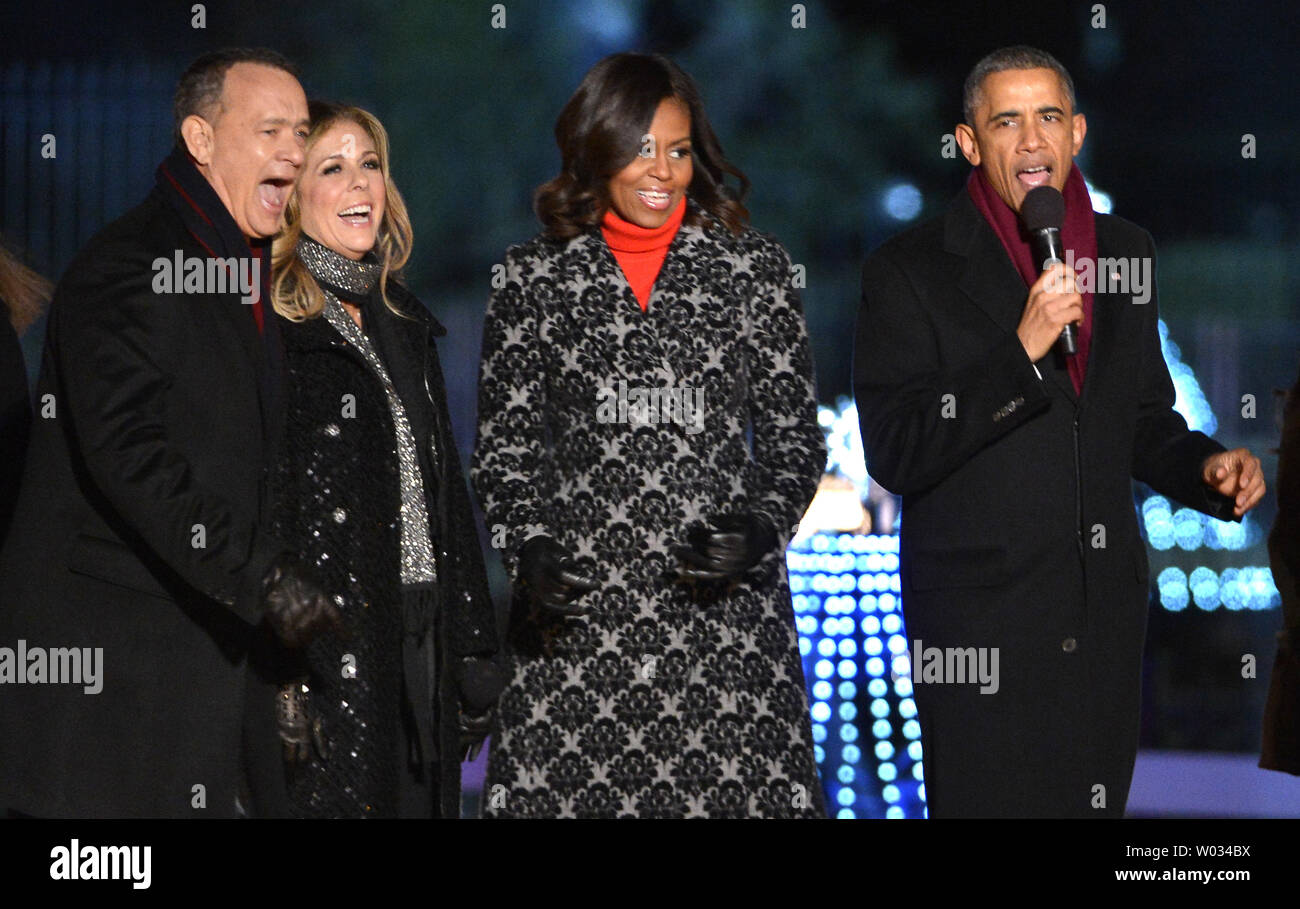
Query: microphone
column 1043, row 213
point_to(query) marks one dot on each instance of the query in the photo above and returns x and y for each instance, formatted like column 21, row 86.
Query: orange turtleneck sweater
column 640, row 251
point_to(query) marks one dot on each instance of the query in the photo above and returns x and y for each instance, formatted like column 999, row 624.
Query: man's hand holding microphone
column 1054, row 302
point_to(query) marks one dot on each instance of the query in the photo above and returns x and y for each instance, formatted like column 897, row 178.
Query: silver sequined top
column 418, row 561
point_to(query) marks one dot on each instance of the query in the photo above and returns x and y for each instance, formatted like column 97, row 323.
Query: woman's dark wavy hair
column 600, row 131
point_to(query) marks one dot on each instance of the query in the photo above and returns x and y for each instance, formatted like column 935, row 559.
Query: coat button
column 1069, row 645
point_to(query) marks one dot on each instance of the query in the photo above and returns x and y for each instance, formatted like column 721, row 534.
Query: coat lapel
column 403, row 344
column 990, row 280
column 988, row 277
column 608, row 314
column 679, row 296
column 1106, row 314
column 209, row 231
column 232, row 311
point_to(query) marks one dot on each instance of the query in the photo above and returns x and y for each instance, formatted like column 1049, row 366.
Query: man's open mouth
column 1031, row 177
column 274, row 193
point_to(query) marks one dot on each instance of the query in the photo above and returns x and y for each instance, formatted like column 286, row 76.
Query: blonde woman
column 368, row 489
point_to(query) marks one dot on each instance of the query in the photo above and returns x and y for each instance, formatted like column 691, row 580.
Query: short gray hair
column 1019, row 56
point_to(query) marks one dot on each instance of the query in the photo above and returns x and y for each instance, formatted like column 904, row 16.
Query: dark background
column 826, row 120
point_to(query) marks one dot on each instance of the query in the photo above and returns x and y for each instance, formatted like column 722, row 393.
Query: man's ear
column 197, row 134
column 1079, row 127
column 969, row 147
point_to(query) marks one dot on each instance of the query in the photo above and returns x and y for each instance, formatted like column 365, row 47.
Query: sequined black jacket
column 336, row 500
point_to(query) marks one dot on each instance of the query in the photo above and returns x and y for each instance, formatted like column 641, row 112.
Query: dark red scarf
column 209, row 222
column 1079, row 233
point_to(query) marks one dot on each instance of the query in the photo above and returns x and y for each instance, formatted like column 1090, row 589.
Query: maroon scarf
column 209, row 221
column 1079, row 233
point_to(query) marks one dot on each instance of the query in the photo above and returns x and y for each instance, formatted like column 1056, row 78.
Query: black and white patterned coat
column 668, row 698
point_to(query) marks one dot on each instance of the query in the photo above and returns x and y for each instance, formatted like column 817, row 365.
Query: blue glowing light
column 902, row 201
column 1189, row 529
column 1173, row 589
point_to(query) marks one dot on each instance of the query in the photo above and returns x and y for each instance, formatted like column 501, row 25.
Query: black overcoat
column 1019, row 530
column 1281, row 742
column 137, row 531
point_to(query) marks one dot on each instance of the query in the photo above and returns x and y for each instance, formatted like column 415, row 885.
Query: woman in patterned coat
column 647, row 441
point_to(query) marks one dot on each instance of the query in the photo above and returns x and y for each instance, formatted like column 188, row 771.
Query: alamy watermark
column 75, row 862
column 955, row 666
column 639, row 405
column 183, row 274
column 25, row 665
column 1112, row 275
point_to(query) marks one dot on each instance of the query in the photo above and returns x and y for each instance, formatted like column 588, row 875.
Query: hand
column 474, row 729
column 300, row 729
column 297, row 609
column 1053, row 303
column 1237, row 474
column 550, row 575
column 480, row 680
column 733, row 545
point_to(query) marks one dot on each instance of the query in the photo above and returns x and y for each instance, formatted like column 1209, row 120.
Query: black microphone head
column 1044, row 207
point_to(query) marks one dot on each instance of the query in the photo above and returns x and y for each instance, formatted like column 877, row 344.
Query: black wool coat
column 1019, row 530
column 138, row 531
column 1281, row 743
column 336, row 499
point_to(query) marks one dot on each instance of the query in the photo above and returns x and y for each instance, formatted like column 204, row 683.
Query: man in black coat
column 138, row 573
column 1024, row 578
column 1281, row 743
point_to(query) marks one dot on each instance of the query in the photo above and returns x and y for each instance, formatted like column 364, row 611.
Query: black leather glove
column 481, row 681
column 474, row 729
column 300, row 728
column 297, row 609
column 730, row 547
column 550, row 574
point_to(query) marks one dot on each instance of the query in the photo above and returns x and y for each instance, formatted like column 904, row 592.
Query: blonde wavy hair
column 23, row 292
column 294, row 292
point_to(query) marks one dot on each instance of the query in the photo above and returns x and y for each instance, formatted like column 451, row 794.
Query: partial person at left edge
column 139, row 577
column 23, row 296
